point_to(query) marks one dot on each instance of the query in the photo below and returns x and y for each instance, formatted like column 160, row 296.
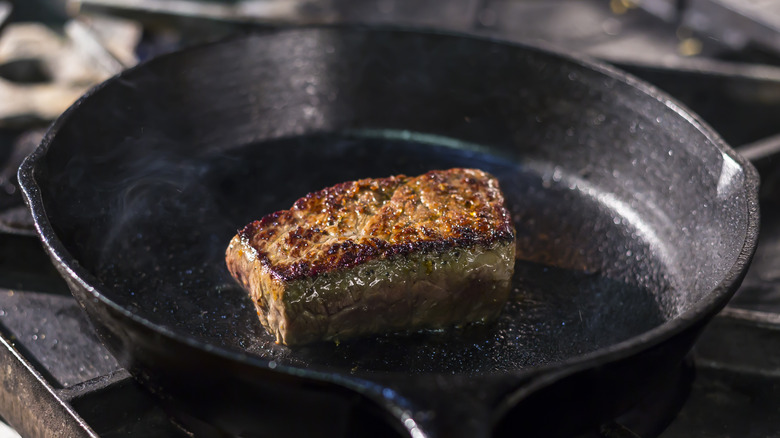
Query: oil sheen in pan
column 582, row 277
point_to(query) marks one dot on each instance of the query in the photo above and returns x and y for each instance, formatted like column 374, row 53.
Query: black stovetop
column 58, row 380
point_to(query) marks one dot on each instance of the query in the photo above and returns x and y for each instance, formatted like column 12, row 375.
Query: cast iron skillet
column 635, row 225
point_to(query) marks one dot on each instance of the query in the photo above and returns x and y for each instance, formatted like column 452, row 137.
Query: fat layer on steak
column 379, row 255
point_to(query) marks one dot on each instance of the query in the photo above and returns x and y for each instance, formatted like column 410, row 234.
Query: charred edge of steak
column 349, row 254
column 482, row 223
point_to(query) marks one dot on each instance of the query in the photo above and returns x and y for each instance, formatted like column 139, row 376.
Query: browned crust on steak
column 354, row 222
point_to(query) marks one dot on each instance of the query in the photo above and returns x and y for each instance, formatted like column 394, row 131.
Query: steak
column 379, row 255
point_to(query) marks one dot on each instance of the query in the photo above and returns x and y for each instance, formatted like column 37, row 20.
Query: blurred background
column 720, row 57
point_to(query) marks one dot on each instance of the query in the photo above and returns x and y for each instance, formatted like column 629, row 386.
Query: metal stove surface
column 58, row 380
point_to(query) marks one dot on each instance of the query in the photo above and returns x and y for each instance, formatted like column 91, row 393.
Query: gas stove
column 720, row 58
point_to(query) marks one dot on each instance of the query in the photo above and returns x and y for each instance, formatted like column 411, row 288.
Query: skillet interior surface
column 562, row 305
column 627, row 214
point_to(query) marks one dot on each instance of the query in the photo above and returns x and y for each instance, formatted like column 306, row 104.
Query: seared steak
column 379, row 255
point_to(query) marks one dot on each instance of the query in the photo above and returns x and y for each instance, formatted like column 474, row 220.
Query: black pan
column 635, row 226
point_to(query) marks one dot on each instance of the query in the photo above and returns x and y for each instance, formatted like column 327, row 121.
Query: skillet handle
column 435, row 406
column 528, row 404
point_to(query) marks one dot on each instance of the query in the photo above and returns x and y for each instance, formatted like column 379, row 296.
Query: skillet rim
column 701, row 311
